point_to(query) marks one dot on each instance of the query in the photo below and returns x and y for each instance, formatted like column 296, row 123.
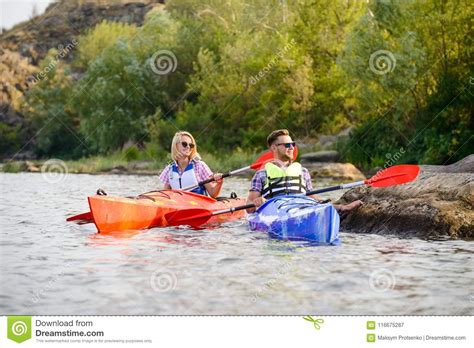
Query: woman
column 188, row 169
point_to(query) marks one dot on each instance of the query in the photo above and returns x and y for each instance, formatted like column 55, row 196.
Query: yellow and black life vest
column 283, row 181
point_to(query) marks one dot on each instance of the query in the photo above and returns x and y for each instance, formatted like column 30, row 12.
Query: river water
column 49, row 266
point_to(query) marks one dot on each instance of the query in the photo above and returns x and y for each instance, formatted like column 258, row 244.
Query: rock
column 24, row 155
column 306, row 144
column 31, row 167
column 139, row 165
column 118, row 170
column 326, row 141
column 320, row 156
column 466, row 165
column 438, row 204
column 14, row 81
column 323, row 142
column 329, row 141
column 128, row 144
column 336, row 171
column 52, row 22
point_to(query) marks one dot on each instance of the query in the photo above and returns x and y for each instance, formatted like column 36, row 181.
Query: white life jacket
column 185, row 179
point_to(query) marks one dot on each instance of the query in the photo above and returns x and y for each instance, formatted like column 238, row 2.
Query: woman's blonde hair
column 174, row 145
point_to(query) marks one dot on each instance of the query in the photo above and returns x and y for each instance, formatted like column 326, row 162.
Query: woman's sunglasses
column 288, row 145
column 185, row 144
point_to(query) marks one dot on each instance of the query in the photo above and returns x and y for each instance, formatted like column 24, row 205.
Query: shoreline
column 118, row 165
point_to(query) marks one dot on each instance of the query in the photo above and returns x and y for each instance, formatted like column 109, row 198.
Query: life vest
column 283, row 181
column 186, row 179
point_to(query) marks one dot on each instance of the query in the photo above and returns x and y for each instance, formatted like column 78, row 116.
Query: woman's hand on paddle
column 218, row 177
column 214, row 187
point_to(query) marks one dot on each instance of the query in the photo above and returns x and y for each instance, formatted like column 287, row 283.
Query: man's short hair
column 275, row 134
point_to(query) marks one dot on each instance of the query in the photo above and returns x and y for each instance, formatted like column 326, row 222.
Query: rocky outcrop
column 335, row 171
column 330, row 141
column 320, row 156
column 15, row 72
column 438, row 204
column 67, row 19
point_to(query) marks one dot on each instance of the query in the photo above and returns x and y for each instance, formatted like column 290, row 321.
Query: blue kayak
column 297, row 217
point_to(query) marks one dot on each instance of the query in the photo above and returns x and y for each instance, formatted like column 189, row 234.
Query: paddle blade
column 295, row 153
column 395, row 175
column 260, row 162
column 83, row 216
column 267, row 157
column 192, row 217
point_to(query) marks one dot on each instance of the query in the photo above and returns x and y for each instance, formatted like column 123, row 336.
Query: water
column 49, row 266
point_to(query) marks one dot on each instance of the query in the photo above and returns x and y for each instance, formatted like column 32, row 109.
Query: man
column 282, row 175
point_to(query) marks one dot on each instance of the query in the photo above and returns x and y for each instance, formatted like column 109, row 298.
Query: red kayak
column 111, row 214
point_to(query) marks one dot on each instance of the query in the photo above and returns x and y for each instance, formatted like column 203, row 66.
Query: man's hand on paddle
column 256, row 198
column 259, row 201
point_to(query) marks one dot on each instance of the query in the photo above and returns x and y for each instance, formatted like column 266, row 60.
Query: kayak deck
column 296, row 218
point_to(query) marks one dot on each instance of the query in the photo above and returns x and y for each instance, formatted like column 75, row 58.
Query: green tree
column 10, row 137
column 120, row 90
column 47, row 107
column 411, row 86
column 99, row 38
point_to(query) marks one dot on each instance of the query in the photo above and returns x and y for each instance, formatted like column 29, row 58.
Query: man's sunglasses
column 288, row 145
column 185, row 144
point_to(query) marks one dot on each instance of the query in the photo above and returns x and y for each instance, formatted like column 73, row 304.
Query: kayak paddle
column 256, row 165
column 391, row 176
column 83, row 216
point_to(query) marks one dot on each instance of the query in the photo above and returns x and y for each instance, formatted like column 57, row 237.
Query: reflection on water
column 49, row 266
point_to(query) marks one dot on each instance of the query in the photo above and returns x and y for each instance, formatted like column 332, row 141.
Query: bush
column 131, row 154
column 99, row 38
column 10, row 139
column 13, row 167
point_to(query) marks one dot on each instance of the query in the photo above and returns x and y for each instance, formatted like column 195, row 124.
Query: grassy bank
column 130, row 162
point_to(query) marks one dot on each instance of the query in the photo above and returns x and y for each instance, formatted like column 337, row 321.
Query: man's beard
column 286, row 157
